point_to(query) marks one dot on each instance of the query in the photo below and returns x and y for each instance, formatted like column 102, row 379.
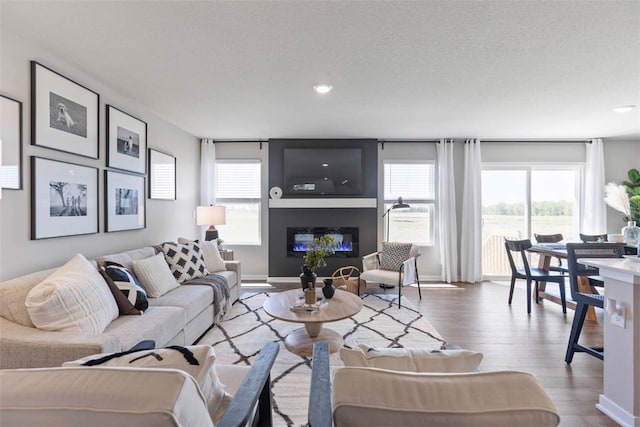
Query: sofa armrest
column 254, row 390
column 319, row 414
column 24, row 347
column 236, row 267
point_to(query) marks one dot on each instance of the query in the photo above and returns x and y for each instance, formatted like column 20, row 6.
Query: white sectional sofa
column 178, row 317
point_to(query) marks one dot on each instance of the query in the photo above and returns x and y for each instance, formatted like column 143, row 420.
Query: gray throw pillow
column 394, row 254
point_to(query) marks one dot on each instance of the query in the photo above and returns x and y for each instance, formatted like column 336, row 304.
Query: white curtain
column 447, row 227
column 594, row 218
column 207, row 172
column 471, row 239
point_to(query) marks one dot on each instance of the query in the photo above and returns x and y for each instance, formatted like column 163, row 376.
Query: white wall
column 165, row 219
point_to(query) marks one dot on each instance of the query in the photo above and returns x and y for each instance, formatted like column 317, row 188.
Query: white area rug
column 247, row 328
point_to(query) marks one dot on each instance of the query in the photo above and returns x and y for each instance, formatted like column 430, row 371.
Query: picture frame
column 162, row 175
column 125, row 202
column 64, row 114
column 126, row 141
column 11, row 139
column 64, row 199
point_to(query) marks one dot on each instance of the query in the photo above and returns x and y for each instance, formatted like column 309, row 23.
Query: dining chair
column 552, row 238
column 576, row 251
column 531, row 274
column 587, row 238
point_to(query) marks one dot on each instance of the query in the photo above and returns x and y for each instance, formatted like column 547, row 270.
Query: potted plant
column 314, row 258
column 625, row 198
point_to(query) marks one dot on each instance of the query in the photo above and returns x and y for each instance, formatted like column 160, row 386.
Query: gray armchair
column 395, row 265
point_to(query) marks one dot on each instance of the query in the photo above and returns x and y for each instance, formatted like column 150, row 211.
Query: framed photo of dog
column 126, row 141
column 64, row 114
column 64, row 199
column 124, row 201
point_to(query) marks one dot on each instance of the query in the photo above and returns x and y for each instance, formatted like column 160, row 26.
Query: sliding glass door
column 520, row 201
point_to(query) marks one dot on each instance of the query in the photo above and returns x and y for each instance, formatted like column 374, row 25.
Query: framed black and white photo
column 126, row 141
column 64, row 114
column 11, row 141
column 125, row 201
column 162, row 175
column 64, row 199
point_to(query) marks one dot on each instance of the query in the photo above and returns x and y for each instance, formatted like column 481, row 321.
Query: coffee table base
column 299, row 342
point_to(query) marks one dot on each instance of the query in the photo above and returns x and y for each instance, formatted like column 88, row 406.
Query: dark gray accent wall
column 280, row 265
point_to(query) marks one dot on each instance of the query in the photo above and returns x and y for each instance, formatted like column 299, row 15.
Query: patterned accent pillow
column 394, row 254
column 185, row 260
column 128, row 284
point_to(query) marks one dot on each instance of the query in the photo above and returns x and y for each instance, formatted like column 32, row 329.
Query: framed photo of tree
column 64, row 199
column 125, row 201
column 64, row 114
column 126, row 141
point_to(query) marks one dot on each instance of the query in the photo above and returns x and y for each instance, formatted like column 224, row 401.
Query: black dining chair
column 576, row 251
column 531, row 274
column 588, row 238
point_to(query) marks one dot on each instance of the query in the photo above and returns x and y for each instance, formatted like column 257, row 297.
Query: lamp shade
column 211, row 215
column 400, row 204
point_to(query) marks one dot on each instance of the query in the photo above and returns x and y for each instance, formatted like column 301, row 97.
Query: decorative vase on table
column 328, row 290
column 631, row 233
column 307, row 276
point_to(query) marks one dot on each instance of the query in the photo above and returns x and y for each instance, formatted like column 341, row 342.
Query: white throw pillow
column 408, row 359
column 155, row 276
column 75, row 298
column 196, row 360
column 212, row 258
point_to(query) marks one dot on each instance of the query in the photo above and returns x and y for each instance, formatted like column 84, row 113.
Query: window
column 520, row 201
column 238, row 188
column 415, row 183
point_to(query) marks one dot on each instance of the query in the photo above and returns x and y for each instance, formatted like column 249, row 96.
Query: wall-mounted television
column 323, row 171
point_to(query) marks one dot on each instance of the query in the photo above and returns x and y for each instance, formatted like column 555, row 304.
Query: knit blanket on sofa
column 221, row 294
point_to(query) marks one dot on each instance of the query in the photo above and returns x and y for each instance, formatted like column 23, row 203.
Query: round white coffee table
column 343, row 305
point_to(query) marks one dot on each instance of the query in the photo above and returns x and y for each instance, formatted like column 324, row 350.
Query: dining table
column 548, row 251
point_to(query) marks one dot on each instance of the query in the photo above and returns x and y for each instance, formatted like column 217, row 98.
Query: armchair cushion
column 394, row 254
column 369, row 396
column 411, row 359
column 197, row 361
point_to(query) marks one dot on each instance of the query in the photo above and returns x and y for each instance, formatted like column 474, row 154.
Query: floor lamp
column 399, row 204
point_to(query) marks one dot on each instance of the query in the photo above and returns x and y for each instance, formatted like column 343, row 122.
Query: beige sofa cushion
column 369, row 396
column 75, row 298
column 155, row 275
column 13, row 295
column 62, row 397
column 126, row 258
column 411, row 359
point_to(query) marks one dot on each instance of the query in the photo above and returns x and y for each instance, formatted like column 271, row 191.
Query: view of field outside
column 507, row 212
column 413, row 225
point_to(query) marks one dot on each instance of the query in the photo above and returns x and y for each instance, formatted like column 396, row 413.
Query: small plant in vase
column 625, row 198
column 314, row 258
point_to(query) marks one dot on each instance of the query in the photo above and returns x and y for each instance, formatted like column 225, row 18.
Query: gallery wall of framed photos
column 65, row 147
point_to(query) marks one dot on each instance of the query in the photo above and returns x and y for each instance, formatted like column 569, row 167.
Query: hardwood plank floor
column 477, row 317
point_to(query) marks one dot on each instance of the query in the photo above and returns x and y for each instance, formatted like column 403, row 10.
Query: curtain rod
column 537, row 141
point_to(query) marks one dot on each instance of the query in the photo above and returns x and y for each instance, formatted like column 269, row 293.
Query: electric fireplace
column 298, row 238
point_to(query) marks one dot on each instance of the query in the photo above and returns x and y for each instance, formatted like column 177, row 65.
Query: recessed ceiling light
column 624, row 108
column 325, row 165
column 322, row 88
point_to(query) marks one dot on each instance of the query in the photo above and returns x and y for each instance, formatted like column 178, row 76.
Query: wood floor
column 477, row 317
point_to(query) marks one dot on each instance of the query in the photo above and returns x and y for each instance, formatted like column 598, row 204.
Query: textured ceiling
column 420, row 69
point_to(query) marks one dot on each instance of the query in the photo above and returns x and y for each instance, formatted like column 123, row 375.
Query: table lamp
column 399, row 204
column 211, row 216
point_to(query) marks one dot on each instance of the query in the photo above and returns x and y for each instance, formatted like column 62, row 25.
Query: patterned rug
column 247, row 328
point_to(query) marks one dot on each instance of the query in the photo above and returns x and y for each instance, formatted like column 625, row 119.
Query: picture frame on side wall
column 126, row 141
column 64, row 199
column 11, row 140
column 162, row 175
column 125, row 202
column 64, row 114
